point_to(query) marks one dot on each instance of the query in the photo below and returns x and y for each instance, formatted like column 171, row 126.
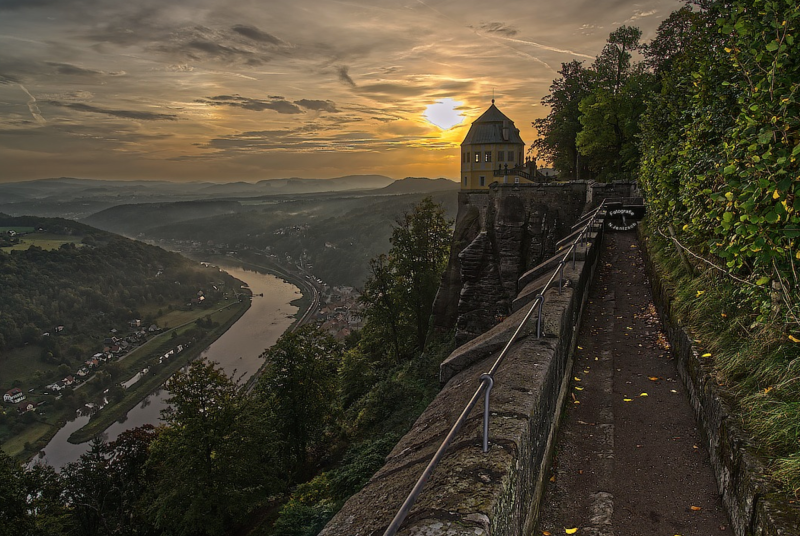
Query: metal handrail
column 487, row 381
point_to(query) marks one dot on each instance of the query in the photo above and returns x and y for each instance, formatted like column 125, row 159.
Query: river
column 236, row 351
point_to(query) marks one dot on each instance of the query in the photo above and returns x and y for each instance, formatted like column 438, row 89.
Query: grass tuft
column 753, row 357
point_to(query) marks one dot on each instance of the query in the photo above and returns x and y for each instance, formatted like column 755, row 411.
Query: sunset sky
column 249, row 90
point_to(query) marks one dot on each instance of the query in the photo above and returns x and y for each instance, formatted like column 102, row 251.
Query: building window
column 516, row 180
column 487, row 156
column 483, row 181
column 510, row 156
column 501, row 156
column 465, row 181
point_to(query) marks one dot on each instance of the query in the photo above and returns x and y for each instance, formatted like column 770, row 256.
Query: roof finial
column 492, row 95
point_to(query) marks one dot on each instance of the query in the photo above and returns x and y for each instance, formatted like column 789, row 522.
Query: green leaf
column 762, row 280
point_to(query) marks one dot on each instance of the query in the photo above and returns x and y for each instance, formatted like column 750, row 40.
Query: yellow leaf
column 700, row 293
column 695, row 508
column 576, row 379
column 579, row 388
column 653, row 378
column 775, row 194
column 576, row 401
column 685, row 226
column 580, row 347
column 793, row 338
column 552, row 479
column 627, row 399
column 767, row 390
column 706, row 355
column 571, row 531
column 545, row 533
column 797, row 255
column 643, row 394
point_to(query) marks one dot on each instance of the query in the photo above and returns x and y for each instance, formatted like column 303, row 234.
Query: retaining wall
column 754, row 505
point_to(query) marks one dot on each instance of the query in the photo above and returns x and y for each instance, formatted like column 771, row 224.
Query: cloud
column 251, row 32
column 317, row 105
column 499, row 28
column 275, row 103
column 344, row 76
column 73, row 70
column 124, row 114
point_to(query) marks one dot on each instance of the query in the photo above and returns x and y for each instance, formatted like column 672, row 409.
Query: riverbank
column 307, row 304
column 150, row 382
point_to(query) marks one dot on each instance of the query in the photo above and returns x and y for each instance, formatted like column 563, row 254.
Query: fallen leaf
column 545, row 533
column 695, row 508
column 700, row 293
column 576, row 379
column 553, row 478
column 578, row 388
column 627, row 399
column 767, row 390
column 580, row 347
column 653, row 378
column 673, row 391
column 793, row 338
column 706, row 355
column 643, row 394
column 571, row 531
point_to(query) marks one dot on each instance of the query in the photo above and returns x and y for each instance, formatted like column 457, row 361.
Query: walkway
column 629, row 460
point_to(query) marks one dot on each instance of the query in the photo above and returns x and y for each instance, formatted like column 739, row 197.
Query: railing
column 487, row 379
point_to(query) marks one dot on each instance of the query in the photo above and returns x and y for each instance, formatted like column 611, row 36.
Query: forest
column 707, row 123
column 281, row 458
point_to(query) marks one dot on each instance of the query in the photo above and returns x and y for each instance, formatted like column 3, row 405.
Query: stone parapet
column 471, row 492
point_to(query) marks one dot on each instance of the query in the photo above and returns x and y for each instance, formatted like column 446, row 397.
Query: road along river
column 237, row 352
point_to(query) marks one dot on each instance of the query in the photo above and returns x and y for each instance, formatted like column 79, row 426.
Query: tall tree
column 399, row 294
column 205, row 465
column 298, row 390
column 610, row 113
column 559, row 130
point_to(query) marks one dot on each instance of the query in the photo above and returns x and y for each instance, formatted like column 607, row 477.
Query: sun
column 444, row 114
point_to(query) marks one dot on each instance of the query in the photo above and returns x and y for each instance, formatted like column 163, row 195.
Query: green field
column 44, row 240
column 21, row 364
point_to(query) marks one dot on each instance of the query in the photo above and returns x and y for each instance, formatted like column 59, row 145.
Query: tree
column 399, row 294
column 298, row 389
column 609, row 115
column 558, row 131
column 205, row 465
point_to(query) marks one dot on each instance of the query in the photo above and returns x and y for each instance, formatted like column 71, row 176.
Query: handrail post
column 488, row 378
column 540, row 297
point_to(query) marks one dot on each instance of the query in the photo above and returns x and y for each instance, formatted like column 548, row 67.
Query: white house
column 14, row 395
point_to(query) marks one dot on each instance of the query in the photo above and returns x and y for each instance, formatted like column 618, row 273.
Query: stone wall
column 472, row 492
column 499, row 234
column 754, row 506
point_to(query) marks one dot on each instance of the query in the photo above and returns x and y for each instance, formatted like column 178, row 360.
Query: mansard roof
column 488, row 128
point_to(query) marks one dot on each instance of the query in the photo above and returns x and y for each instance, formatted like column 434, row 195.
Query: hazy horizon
column 205, row 91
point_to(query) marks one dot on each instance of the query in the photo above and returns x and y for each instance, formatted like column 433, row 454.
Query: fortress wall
column 472, row 492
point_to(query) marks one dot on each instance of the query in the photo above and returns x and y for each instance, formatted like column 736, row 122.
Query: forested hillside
column 89, row 287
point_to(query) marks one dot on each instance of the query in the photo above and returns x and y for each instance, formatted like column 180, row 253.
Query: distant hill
column 418, row 185
column 297, row 186
column 78, row 198
column 133, row 219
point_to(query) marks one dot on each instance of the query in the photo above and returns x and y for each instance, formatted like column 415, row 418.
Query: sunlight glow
column 444, row 114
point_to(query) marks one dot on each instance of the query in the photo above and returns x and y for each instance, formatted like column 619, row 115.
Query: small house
column 14, row 396
column 25, row 407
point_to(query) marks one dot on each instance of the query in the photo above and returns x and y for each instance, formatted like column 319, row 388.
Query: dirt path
column 628, row 459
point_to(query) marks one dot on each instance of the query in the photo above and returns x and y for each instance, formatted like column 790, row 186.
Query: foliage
column 209, row 463
column 87, row 289
column 400, row 292
column 559, row 130
column 298, row 389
